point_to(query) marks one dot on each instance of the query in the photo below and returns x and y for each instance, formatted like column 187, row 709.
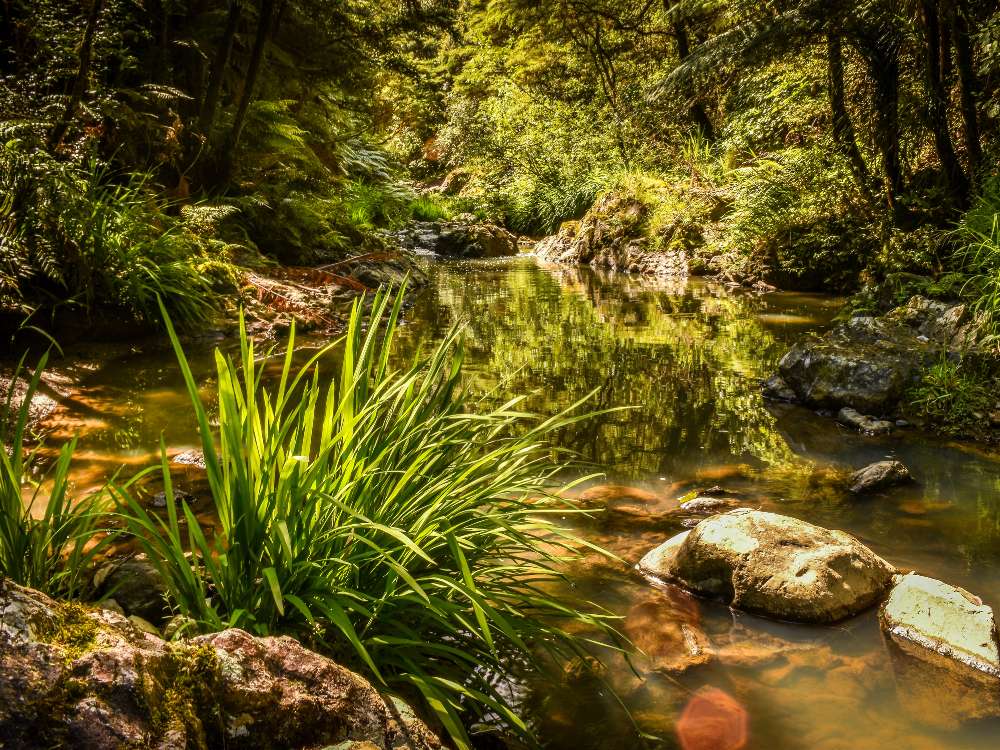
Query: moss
column 182, row 694
column 73, row 630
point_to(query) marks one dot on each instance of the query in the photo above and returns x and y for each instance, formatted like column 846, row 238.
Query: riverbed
column 686, row 357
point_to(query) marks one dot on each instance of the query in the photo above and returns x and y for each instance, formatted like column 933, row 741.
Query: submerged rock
column 878, row 476
column 89, row 679
column 868, row 363
column 862, row 422
column 666, row 628
column 180, row 496
column 773, row 565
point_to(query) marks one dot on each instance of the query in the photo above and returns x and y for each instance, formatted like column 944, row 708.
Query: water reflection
column 686, row 358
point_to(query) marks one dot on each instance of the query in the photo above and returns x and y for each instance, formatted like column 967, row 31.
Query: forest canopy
column 805, row 143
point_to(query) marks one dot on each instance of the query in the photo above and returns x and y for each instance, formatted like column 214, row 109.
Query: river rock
column 135, row 584
column 193, row 457
column 88, row 679
column 459, row 239
column 945, row 619
column 773, row 565
column 710, row 504
column 878, row 476
column 869, row 362
column 862, row 422
column 180, row 496
column 666, row 628
column 942, row 642
column 610, row 235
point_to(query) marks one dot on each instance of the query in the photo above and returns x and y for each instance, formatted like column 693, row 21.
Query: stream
column 688, row 356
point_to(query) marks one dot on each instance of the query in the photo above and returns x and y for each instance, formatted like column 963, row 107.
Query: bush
column 377, row 517
column 75, row 235
column 979, row 234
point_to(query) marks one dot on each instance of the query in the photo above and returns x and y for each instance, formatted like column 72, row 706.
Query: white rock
column 944, row 619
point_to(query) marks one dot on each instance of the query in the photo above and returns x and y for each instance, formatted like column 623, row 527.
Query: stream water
column 688, row 356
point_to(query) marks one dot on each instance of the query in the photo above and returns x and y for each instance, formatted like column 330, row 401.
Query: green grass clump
column 953, row 396
column 427, row 207
column 378, row 518
column 46, row 544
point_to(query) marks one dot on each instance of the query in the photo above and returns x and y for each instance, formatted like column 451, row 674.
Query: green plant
column 80, row 235
column 427, row 207
column 51, row 552
column 954, row 395
column 979, row 234
column 376, row 516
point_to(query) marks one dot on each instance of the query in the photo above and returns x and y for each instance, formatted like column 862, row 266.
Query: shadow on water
column 686, row 358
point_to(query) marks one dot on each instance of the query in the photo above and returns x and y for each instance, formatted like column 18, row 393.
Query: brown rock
column 666, row 627
column 89, row 678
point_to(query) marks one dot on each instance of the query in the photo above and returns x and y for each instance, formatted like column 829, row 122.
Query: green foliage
column 78, row 236
column 428, row 207
column 52, row 551
column 377, row 516
column 979, row 235
column 954, row 395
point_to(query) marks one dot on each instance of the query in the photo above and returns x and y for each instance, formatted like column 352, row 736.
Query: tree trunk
column 843, row 129
column 696, row 111
column 249, row 82
column 882, row 60
column 968, row 81
column 937, row 106
column 86, row 56
column 223, row 51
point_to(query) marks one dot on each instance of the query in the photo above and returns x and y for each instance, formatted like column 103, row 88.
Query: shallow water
column 687, row 358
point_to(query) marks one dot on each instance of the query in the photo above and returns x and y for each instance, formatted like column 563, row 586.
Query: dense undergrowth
column 374, row 515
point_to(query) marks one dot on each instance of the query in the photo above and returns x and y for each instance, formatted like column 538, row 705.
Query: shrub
column 51, row 552
column 76, row 235
column 376, row 516
column 979, row 234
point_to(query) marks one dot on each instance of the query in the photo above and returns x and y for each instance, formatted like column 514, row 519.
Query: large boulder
column 773, row 565
column 611, row 236
column 70, row 676
column 868, row 363
column 458, row 239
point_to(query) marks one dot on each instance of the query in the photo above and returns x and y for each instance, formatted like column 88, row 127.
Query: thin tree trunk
column 249, row 82
column 882, row 60
column 696, row 111
column 223, row 51
column 968, row 82
column 937, row 105
column 843, row 129
column 86, row 56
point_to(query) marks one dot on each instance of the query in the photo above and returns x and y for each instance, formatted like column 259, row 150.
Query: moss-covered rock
column 90, row 679
column 613, row 235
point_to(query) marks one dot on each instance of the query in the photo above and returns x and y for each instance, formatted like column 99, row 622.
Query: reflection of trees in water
column 688, row 356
